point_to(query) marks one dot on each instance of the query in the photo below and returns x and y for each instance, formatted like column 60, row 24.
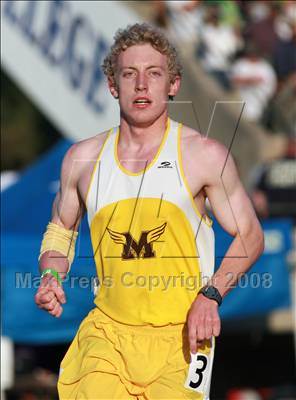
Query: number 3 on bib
column 199, row 374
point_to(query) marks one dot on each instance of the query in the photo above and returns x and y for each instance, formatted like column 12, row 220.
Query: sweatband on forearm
column 59, row 239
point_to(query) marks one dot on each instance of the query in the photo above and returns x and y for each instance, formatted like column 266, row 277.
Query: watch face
column 211, row 291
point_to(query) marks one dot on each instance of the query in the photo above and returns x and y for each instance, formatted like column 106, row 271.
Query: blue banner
column 266, row 286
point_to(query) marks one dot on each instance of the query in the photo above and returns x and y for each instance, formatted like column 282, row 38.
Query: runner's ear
column 113, row 88
column 174, row 86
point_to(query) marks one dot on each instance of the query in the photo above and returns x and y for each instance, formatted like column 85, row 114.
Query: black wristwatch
column 211, row 293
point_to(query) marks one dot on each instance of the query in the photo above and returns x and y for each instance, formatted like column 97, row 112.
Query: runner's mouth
column 142, row 100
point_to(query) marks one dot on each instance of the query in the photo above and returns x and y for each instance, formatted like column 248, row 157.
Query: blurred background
column 239, row 86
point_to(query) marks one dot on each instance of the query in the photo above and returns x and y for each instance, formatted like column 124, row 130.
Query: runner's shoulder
column 87, row 148
column 202, row 147
column 83, row 152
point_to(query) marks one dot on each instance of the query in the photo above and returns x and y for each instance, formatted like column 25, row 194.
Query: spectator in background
column 182, row 19
column 284, row 58
column 230, row 14
column 254, row 80
column 262, row 18
column 282, row 112
column 218, row 44
column 275, row 186
column 289, row 10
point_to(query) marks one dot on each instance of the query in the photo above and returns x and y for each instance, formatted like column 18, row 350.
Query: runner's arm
column 67, row 212
column 234, row 211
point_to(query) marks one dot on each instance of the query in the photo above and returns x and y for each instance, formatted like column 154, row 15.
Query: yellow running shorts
column 110, row 360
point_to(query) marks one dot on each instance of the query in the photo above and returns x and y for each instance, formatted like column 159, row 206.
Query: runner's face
column 143, row 84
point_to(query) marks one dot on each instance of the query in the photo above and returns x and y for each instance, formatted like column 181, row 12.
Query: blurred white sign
column 7, row 364
column 54, row 51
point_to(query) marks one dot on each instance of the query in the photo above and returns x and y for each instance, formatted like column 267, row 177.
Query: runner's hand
column 203, row 321
column 50, row 296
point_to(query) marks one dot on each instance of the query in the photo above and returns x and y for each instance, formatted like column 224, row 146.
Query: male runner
column 144, row 186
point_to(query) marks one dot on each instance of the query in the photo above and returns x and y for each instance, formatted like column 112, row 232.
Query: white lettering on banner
column 54, row 50
column 274, row 241
column 57, row 38
column 282, row 174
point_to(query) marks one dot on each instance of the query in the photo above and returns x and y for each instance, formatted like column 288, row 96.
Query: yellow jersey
column 153, row 249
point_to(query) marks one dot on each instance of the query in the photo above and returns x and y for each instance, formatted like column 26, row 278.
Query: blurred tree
column 25, row 131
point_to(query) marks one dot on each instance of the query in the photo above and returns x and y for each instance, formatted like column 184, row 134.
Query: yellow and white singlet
column 153, row 251
column 150, row 243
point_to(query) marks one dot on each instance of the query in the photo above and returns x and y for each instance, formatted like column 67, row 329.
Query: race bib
column 199, row 374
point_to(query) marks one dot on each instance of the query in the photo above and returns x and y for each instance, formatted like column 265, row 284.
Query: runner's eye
column 127, row 74
column 155, row 73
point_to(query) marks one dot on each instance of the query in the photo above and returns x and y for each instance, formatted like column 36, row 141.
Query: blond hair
column 140, row 34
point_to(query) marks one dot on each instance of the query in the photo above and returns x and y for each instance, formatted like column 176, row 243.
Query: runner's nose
column 141, row 83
